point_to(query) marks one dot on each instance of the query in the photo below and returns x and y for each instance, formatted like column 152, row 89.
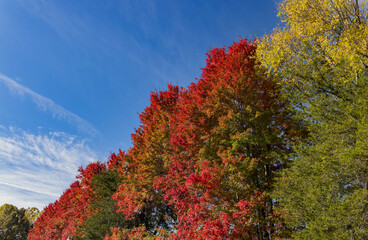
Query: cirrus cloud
column 47, row 104
column 36, row 168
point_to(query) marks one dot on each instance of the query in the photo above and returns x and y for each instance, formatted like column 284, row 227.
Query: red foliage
column 210, row 152
column 115, row 161
column 141, row 165
column 62, row 218
column 137, row 233
column 229, row 129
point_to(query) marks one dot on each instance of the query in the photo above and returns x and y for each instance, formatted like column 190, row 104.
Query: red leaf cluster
column 62, row 218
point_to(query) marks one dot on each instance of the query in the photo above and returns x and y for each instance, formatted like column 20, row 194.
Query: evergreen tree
column 104, row 184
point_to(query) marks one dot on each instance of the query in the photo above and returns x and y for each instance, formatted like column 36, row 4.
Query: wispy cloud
column 23, row 198
column 36, row 168
column 67, row 26
column 47, row 104
column 79, row 28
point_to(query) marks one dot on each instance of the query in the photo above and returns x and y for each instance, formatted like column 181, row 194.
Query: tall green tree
column 14, row 224
column 321, row 54
column 104, row 184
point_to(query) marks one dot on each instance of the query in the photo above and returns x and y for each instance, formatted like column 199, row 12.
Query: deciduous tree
column 14, row 224
column 61, row 219
column 231, row 135
column 321, row 54
column 136, row 196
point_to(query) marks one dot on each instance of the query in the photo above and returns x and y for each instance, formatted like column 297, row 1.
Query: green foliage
column 14, row 224
column 98, row 225
column 32, row 214
column 324, row 192
column 322, row 57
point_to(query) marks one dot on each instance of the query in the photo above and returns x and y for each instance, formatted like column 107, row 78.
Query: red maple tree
column 202, row 162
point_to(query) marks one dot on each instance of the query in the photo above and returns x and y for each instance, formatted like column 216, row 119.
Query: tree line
column 271, row 142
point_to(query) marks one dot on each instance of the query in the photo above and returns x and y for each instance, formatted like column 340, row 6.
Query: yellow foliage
column 318, row 34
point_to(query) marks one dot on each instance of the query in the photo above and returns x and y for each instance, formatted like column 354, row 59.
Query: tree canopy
column 15, row 223
column 271, row 142
column 322, row 56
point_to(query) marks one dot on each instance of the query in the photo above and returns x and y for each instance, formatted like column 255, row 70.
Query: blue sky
column 75, row 74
